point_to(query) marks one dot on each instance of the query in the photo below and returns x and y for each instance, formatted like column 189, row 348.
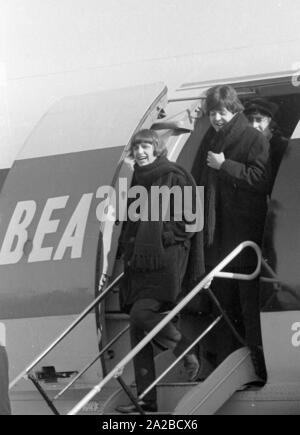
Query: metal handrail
column 270, row 270
column 273, row 278
column 81, row 317
column 85, row 369
column 270, row 280
column 216, row 272
column 187, row 350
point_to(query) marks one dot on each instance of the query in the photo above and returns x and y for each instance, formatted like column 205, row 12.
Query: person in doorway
column 233, row 166
column 158, row 257
column 260, row 113
column 5, row 408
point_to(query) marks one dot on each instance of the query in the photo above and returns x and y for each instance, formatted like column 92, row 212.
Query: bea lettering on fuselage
column 16, row 235
column 112, row 204
column 296, row 335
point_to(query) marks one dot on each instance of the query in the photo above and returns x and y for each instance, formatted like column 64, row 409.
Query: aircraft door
column 281, row 246
column 280, row 298
column 50, row 220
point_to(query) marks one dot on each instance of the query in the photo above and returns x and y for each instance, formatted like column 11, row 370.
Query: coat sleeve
column 175, row 230
column 254, row 174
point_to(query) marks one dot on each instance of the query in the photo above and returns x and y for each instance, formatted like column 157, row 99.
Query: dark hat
column 261, row 105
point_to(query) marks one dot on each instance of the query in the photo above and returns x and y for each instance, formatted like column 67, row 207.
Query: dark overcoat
column 242, row 185
column 278, row 147
column 181, row 251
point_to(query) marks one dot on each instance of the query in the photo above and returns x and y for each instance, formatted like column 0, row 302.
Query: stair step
column 111, row 315
column 174, row 384
column 136, row 413
column 32, row 403
column 168, row 396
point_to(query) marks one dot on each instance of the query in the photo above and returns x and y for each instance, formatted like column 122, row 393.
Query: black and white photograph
column 149, row 210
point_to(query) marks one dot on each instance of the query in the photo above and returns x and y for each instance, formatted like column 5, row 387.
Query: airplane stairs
column 175, row 395
column 204, row 398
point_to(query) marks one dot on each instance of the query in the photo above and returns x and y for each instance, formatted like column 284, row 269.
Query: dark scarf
column 146, row 176
column 216, row 142
column 148, row 252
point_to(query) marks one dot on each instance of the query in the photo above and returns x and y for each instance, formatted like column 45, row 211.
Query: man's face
column 143, row 153
column 219, row 118
column 260, row 122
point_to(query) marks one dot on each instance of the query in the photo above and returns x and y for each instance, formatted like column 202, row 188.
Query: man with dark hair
column 159, row 255
column 233, row 166
column 261, row 113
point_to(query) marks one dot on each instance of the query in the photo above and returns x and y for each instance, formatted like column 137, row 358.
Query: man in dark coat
column 158, row 255
column 261, row 113
column 233, row 166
